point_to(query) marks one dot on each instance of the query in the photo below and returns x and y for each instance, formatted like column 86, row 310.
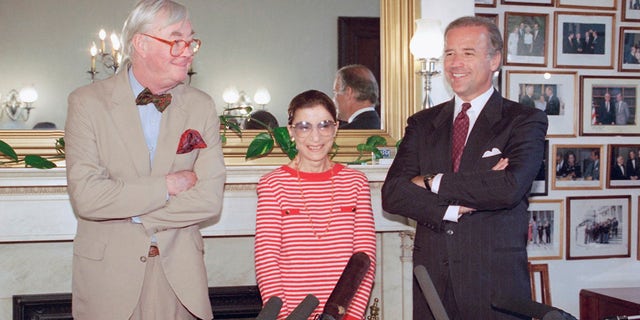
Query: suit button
column 445, row 262
column 143, row 259
column 450, row 232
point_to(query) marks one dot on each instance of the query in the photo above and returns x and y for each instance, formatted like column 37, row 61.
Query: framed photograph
column 526, row 38
column 577, row 167
column 485, row 3
column 553, row 92
column 540, row 187
column 584, row 39
column 608, row 106
column 587, row 4
column 548, row 3
column 631, row 10
column 492, row 17
column 546, row 227
column 624, row 166
column 629, row 49
column 598, row 227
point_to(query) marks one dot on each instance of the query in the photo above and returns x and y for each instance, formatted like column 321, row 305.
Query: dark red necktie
column 460, row 129
column 161, row 101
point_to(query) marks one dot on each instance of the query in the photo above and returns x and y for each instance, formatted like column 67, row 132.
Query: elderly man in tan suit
column 143, row 177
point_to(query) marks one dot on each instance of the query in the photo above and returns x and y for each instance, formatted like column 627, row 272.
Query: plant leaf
column 8, row 151
column 376, row 141
column 261, row 145
column 231, row 125
column 398, row 143
column 281, row 134
column 38, row 162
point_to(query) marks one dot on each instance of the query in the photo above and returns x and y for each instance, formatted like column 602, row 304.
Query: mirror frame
column 400, row 96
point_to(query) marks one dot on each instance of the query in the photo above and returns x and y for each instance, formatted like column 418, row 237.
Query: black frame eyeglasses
column 177, row 47
column 325, row 128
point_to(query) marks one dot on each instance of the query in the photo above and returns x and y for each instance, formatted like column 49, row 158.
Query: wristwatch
column 427, row 180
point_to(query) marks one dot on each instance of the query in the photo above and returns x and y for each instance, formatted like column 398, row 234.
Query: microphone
column 304, row 310
column 346, row 287
column 430, row 293
column 530, row 308
column 271, row 309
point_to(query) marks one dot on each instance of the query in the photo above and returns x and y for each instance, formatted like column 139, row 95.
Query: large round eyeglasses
column 325, row 128
column 178, row 46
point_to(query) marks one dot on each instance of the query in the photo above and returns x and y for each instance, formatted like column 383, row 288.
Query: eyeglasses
column 178, row 46
column 325, row 128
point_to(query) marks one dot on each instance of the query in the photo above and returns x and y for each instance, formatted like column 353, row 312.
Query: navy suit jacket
column 365, row 120
column 483, row 255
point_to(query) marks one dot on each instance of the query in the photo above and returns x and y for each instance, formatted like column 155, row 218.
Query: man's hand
column 419, row 181
column 501, row 165
column 180, row 181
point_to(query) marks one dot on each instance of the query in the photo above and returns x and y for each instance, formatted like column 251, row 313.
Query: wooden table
column 596, row 304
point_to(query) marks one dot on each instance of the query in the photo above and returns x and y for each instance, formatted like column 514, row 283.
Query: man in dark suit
column 633, row 166
column 592, row 167
column 618, row 170
column 553, row 103
column 355, row 92
column 527, row 97
column 143, row 174
column 606, row 113
column 471, row 224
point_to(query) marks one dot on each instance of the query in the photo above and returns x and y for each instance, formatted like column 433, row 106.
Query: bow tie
column 161, row 101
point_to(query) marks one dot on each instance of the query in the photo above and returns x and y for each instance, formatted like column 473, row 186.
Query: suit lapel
column 126, row 120
column 441, row 138
column 482, row 132
column 171, row 129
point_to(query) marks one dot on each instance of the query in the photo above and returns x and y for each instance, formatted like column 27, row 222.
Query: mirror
column 399, row 83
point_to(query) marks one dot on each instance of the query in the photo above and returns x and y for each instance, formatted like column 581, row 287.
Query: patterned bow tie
column 161, row 101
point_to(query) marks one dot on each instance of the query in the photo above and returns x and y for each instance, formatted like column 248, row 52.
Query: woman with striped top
column 313, row 215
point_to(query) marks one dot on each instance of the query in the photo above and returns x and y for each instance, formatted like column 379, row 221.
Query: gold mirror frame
column 400, row 93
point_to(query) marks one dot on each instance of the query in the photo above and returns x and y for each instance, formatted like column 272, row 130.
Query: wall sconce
column 18, row 105
column 239, row 104
column 426, row 45
column 110, row 60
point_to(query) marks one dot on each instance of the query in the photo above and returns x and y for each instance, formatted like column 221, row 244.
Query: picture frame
column 540, row 185
column 595, row 119
column 562, row 85
column 575, row 167
column 571, row 52
column 492, row 16
column 625, row 155
column 547, row 3
column 526, row 39
column 598, row 227
column 545, row 239
column 630, row 10
column 485, row 3
column 629, row 49
column 587, row 4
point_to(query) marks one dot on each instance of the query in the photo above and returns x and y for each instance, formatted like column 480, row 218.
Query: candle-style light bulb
column 115, row 42
column 93, row 51
column 102, row 35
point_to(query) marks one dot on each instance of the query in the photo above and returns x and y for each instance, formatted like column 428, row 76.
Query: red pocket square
column 190, row 139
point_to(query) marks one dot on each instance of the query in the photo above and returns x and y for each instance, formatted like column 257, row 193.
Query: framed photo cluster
column 547, row 56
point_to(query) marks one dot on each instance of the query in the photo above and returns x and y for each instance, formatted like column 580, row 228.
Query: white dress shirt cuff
column 452, row 214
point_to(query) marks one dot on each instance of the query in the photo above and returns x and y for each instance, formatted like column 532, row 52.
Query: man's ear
column 140, row 44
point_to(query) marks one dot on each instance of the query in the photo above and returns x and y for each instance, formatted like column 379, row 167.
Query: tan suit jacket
column 110, row 179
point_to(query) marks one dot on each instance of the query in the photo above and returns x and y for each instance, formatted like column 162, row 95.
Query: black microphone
column 304, row 310
column 346, row 287
column 271, row 309
column 530, row 308
column 430, row 293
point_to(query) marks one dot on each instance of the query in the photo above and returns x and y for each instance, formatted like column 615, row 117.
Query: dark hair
column 495, row 38
column 360, row 79
column 309, row 99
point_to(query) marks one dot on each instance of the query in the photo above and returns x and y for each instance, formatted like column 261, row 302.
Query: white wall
column 246, row 43
column 567, row 276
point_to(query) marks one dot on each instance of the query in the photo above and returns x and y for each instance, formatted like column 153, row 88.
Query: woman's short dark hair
column 309, row 99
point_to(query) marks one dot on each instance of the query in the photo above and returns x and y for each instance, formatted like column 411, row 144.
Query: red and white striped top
column 304, row 240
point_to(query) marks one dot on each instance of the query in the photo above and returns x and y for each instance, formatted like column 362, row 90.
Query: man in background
column 144, row 169
column 622, row 110
column 605, row 114
column 356, row 93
